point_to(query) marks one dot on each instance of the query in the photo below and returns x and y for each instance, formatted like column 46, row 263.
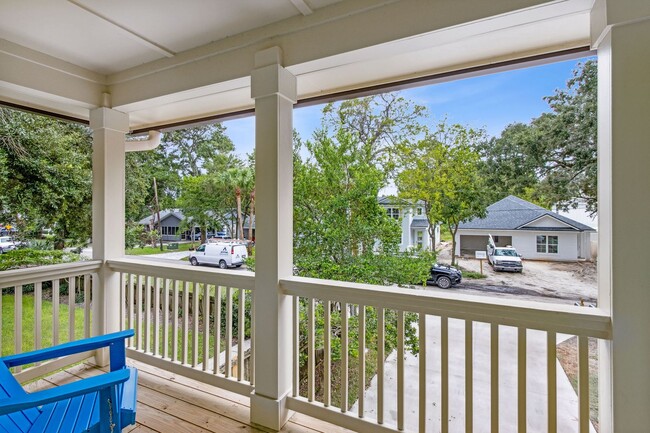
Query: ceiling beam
column 303, row 7
column 353, row 30
column 131, row 34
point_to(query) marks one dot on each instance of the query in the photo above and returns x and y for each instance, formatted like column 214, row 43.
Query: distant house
column 170, row 221
column 535, row 232
column 415, row 226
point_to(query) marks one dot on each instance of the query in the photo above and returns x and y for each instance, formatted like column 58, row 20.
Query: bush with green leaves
column 28, row 257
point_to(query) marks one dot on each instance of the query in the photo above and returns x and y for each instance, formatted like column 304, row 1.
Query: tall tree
column 46, row 175
column 195, row 149
column 335, row 200
column 141, row 169
column 201, row 201
column 239, row 181
column 551, row 161
column 508, row 165
column 567, row 149
column 442, row 170
column 375, row 125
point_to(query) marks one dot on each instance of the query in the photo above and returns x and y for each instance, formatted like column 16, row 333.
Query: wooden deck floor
column 168, row 403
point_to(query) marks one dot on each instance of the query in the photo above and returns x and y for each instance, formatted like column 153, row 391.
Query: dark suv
column 444, row 276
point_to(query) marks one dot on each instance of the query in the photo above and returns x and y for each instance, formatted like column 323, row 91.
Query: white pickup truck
column 503, row 258
column 6, row 244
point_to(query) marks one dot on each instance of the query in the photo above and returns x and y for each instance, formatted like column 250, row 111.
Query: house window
column 420, row 238
column 419, row 211
column 393, row 212
column 169, row 230
column 547, row 244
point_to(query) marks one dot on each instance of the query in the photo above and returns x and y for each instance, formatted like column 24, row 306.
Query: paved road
column 175, row 256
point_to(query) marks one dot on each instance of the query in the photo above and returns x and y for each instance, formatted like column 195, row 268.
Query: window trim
column 547, row 244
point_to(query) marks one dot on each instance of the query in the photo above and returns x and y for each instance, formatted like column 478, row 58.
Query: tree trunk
column 251, row 218
column 240, row 226
column 453, row 244
column 155, row 194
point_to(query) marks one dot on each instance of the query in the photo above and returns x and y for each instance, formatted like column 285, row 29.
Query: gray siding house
column 170, row 221
column 535, row 232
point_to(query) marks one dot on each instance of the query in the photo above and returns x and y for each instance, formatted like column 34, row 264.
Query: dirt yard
column 542, row 281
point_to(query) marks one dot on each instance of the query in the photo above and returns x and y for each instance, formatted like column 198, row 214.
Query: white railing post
column 274, row 91
column 620, row 31
column 109, row 129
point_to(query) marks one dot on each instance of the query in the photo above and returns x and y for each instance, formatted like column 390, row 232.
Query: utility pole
column 155, row 195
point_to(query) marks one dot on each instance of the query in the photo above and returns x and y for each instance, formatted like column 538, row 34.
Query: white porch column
column 274, row 91
column 621, row 33
column 109, row 129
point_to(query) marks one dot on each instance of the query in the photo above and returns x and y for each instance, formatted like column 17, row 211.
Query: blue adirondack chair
column 100, row 404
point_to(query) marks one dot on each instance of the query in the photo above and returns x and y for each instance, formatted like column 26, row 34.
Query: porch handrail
column 186, row 319
column 456, row 334
column 40, row 274
column 77, row 278
column 240, row 279
column 560, row 318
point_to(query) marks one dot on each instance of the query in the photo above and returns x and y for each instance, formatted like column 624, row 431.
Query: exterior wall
column 409, row 235
column 171, row 221
column 405, row 220
column 426, row 244
column 547, row 221
column 526, row 244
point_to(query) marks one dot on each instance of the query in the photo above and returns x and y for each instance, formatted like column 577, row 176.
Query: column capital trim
column 107, row 118
column 606, row 14
column 274, row 80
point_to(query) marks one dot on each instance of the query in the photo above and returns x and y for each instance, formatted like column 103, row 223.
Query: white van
column 225, row 255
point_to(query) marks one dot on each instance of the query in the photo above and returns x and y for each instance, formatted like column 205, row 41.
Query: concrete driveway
column 536, row 383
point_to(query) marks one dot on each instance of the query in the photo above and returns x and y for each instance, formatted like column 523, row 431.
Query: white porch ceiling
column 112, row 36
column 165, row 61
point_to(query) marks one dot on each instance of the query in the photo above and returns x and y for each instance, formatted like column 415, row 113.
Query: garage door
column 470, row 244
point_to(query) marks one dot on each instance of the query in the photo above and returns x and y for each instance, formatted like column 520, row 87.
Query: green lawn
column 445, row 234
column 28, row 324
column 182, row 246
column 46, row 330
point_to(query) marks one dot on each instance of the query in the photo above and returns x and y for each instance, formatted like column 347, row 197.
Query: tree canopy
column 340, row 230
column 442, row 170
column 46, row 176
column 552, row 160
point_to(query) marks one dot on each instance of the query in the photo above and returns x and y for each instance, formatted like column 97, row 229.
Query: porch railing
column 61, row 294
column 197, row 322
column 367, row 358
column 469, row 350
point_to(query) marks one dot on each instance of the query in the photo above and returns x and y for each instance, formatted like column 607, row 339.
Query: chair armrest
column 81, row 387
column 71, row 348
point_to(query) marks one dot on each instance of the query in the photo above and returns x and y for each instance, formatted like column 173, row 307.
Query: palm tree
column 251, row 217
column 238, row 179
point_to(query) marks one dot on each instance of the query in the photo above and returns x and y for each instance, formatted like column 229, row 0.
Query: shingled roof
column 164, row 214
column 513, row 213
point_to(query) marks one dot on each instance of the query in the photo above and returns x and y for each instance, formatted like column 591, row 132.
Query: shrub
column 29, row 257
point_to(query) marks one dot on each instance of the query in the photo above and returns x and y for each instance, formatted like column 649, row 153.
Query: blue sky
column 490, row 101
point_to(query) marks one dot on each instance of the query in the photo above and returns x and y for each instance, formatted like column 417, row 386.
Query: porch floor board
column 168, row 403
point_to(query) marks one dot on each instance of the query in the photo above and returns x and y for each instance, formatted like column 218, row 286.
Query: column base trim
column 269, row 414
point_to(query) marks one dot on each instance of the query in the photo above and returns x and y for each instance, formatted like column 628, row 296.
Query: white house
column 415, row 226
column 580, row 214
column 535, row 232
